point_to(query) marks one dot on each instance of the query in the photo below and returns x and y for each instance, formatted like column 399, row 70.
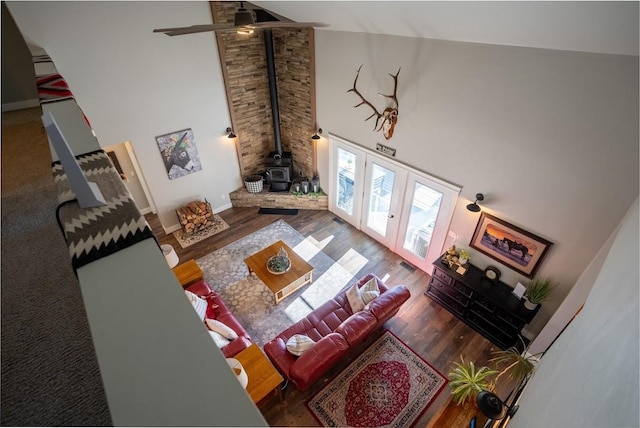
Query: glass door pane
column 426, row 215
column 346, row 167
column 422, row 219
column 381, row 182
column 346, row 176
column 384, row 183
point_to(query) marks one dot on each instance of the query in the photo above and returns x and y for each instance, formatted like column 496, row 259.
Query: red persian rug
column 389, row 385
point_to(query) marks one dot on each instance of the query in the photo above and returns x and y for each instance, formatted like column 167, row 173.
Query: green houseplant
column 463, row 257
column 537, row 292
column 466, row 381
column 519, row 365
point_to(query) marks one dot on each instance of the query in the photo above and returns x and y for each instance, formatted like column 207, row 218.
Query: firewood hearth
column 195, row 216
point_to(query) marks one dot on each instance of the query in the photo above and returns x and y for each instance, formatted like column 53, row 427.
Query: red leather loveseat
column 335, row 329
column 217, row 310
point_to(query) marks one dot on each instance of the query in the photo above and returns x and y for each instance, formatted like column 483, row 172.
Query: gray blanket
column 92, row 233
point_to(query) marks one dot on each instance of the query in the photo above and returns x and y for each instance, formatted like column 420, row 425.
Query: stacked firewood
column 195, row 216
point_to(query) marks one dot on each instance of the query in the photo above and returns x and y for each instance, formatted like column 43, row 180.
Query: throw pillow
column 355, row 301
column 369, row 291
column 219, row 327
column 220, row 341
column 299, row 343
column 199, row 305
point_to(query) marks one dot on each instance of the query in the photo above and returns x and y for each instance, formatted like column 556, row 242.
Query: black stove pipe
column 273, row 89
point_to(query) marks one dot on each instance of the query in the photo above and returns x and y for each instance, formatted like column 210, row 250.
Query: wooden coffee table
column 263, row 377
column 284, row 284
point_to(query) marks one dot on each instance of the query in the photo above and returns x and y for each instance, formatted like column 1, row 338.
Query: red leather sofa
column 217, row 310
column 335, row 329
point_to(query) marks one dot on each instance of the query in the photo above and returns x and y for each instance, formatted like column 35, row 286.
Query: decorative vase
column 463, row 261
column 283, row 253
column 529, row 305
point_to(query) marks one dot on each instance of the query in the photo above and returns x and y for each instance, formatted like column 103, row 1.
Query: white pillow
column 299, row 343
column 355, row 301
column 220, row 341
column 369, row 291
column 219, row 327
column 199, row 305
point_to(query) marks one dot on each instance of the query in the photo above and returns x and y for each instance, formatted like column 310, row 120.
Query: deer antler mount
column 385, row 121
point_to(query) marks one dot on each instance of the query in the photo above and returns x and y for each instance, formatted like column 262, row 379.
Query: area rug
column 389, row 385
column 187, row 239
column 249, row 299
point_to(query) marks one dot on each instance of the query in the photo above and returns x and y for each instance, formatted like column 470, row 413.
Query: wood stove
column 279, row 171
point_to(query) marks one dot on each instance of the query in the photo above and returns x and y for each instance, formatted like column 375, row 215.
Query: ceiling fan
column 243, row 23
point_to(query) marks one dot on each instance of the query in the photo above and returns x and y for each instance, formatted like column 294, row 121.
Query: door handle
column 391, row 216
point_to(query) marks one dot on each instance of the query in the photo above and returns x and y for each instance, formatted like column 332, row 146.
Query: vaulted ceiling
column 587, row 26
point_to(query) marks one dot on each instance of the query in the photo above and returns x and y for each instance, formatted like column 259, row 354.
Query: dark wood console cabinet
column 489, row 308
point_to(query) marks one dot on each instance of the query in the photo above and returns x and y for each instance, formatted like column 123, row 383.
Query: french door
column 383, row 194
column 347, row 164
column 402, row 208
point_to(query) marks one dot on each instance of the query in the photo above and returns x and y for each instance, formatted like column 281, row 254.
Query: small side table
column 188, row 273
column 263, row 377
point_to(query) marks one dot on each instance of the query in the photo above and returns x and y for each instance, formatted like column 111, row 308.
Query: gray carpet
column 249, row 299
column 50, row 375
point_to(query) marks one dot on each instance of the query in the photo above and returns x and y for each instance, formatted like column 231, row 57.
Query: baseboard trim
column 222, row 208
column 20, row 105
column 172, row 228
column 147, row 210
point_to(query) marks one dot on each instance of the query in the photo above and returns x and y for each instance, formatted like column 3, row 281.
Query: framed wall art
column 512, row 246
column 179, row 153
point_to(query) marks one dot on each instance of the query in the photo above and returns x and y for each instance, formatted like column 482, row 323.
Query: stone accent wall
column 293, row 71
column 245, row 69
column 246, row 79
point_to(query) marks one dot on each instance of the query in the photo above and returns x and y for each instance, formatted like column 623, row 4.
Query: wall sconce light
column 474, row 206
column 316, row 136
column 231, row 134
column 245, row 31
column 493, row 407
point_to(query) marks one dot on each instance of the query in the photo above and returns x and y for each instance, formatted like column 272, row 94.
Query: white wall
column 134, row 85
column 573, row 302
column 589, row 376
column 550, row 137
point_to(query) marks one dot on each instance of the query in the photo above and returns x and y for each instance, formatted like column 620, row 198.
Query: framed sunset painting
column 512, row 246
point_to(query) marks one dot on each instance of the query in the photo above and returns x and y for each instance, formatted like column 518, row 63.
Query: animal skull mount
column 385, row 121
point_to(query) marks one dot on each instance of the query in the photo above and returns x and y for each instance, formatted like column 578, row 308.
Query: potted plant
column 466, row 381
column 537, row 292
column 463, row 257
column 519, row 365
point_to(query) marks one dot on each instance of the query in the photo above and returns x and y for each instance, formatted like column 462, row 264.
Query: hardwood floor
column 424, row 325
